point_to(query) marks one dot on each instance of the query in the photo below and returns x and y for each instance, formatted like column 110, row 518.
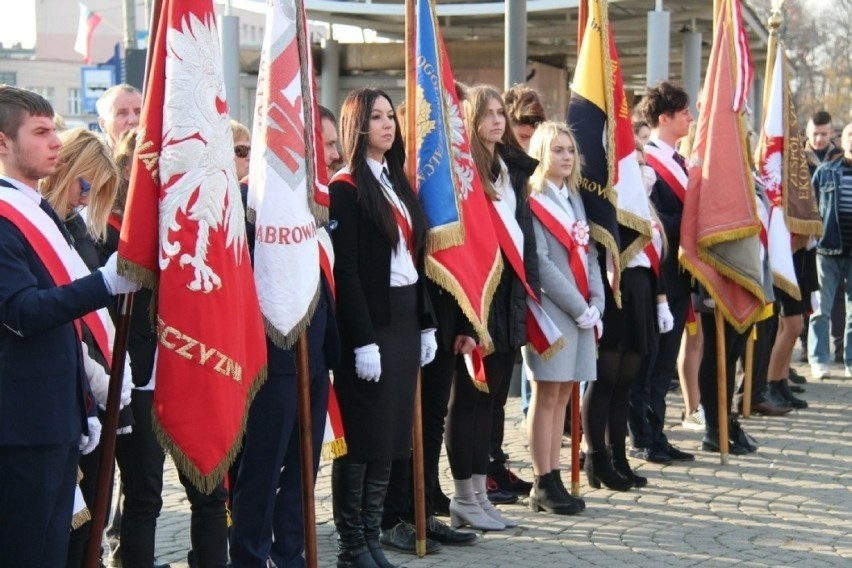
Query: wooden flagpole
column 306, row 439
column 576, row 436
column 411, row 171
column 106, row 464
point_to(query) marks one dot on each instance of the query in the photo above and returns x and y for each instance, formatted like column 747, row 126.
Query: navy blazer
column 42, row 380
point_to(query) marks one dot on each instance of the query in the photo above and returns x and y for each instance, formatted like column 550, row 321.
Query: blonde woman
column 86, row 177
column 572, row 295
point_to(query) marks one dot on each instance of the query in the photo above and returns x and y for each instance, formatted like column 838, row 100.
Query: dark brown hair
column 663, row 98
column 16, row 104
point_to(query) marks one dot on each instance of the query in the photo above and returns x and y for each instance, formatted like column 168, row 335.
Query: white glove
column 815, row 301
column 428, row 346
column 589, row 318
column 126, row 384
column 709, row 303
column 368, row 362
column 125, row 430
column 665, row 319
column 90, row 442
column 98, row 377
column 115, row 283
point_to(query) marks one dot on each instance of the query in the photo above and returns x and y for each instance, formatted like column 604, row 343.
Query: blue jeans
column 831, row 270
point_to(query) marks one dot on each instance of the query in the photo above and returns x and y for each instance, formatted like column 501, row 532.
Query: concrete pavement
column 789, row 504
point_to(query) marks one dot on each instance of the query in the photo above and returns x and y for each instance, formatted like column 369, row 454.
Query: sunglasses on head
column 242, row 151
column 85, row 187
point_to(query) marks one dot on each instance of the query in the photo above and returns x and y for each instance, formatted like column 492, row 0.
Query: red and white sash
column 61, row 261
column 542, row 334
column 563, row 228
column 400, row 214
column 668, row 169
column 654, row 249
column 333, row 440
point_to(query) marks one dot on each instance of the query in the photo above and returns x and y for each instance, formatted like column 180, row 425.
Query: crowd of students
column 381, row 323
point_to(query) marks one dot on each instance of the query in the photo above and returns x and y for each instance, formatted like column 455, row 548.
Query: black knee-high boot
column 347, row 486
column 376, row 481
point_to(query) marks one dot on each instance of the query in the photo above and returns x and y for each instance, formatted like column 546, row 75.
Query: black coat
column 362, row 263
column 451, row 320
column 508, row 317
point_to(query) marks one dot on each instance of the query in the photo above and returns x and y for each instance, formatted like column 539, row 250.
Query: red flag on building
column 184, row 236
column 85, row 29
column 720, row 230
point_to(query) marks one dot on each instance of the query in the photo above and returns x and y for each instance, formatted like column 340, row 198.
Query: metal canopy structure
column 551, row 28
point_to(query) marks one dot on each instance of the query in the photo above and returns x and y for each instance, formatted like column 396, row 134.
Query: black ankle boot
column 599, row 470
column 557, row 476
column 347, row 483
column 782, row 390
column 622, row 466
column 546, row 496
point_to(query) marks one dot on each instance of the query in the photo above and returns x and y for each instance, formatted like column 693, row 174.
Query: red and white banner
column 771, row 169
column 285, row 177
column 184, row 236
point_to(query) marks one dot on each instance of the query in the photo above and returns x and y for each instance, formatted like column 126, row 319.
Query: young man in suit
column 666, row 109
column 45, row 397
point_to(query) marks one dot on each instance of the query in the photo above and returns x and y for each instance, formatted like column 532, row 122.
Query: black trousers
column 437, row 380
column 470, row 420
column 36, row 502
column 707, row 372
column 266, row 504
column 647, row 412
column 766, row 331
column 140, row 460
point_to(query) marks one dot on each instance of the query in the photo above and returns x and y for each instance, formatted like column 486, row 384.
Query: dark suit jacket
column 42, row 382
column 670, row 210
column 362, row 271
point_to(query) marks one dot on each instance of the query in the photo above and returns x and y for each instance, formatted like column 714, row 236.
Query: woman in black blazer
column 387, row 326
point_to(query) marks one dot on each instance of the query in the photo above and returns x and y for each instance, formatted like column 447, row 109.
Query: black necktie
column 385, row 179
column 681, row 162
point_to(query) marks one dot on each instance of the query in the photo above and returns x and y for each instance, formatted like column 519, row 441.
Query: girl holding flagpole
column 573, row 297
column 630, row 333
column 504, row 169
column 387, row 325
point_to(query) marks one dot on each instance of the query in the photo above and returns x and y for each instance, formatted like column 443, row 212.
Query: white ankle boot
column 465, row 509
column 481, row 493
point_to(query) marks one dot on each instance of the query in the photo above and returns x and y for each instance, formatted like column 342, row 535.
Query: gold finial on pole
column 775, row 15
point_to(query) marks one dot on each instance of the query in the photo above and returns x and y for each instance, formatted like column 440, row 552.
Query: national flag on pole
column 720, row 229
column 85, row 29
column 285, row 175
column 184, row 236
column 783, row 170
column 464, row 257
column 611, row 180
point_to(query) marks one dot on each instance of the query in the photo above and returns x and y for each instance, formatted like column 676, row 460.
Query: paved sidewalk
column 789, row 504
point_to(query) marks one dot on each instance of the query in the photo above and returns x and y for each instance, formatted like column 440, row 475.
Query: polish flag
column 85, row 28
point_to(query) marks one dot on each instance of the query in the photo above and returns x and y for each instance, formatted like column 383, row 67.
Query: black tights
column 469, row 420
column 606, row 400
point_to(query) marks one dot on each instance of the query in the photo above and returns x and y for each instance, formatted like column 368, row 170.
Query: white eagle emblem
column 196, row 163
column 462, row 160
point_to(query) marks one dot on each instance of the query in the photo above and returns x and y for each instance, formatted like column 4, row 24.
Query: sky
column 18, row 21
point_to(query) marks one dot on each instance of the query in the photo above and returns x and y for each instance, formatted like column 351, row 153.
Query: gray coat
column 562, row 301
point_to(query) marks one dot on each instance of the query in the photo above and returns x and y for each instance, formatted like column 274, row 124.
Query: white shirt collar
column 562, row 190
column 377, row 167
column 25, row 189
column 664, row 146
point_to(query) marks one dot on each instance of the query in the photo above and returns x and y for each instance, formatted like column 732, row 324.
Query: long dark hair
column 354, row 127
